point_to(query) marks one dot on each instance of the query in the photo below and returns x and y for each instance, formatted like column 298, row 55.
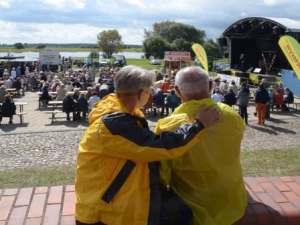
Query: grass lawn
column 282, row 162
column 144, row 63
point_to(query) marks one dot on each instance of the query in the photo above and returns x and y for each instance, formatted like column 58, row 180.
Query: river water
column 35, row 55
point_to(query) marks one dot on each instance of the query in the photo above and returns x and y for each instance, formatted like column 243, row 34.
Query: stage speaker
column 222, row 42
column 242, row 74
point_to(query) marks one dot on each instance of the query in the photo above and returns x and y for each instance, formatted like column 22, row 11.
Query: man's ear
column 177, row 90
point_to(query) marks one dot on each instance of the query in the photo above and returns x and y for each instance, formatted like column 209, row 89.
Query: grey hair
column 192, row 80
column 131, row 79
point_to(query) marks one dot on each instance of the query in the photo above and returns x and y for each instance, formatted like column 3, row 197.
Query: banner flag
column 201, row 55
column 291, row 50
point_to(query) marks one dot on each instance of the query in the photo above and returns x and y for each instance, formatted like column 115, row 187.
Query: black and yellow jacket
column 117, row 173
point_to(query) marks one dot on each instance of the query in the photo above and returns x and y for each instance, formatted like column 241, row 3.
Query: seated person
column 3, row 92
column 289, row 96
column 45, row 96
column 217, row 96
column 93, row 99
column 89, row 93
column 166, row 84
column 287, row 100
column 82, row 106
column 173, row 101
column 69, row 86
column 103, row 90
column 68, row 106
column 159, row 101
column 17, row 85
column 278, row 99
column 271, row 96
column 77, row 84
column 8, row 109
column 229, row 98
column 111, row 85
column 61, row 93
column 149, row 104
column 75, row 97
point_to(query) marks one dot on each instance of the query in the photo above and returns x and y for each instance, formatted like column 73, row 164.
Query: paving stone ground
column 37, row 142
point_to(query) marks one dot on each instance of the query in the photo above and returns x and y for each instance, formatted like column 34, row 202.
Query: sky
column 80, row 21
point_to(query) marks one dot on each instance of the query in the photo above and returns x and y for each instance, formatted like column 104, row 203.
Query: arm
column 121, row 137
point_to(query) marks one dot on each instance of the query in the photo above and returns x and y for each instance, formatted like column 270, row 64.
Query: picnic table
column 21, row 111
column 54, row 111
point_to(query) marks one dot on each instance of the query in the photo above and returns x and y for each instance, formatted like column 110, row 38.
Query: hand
column 208, row 117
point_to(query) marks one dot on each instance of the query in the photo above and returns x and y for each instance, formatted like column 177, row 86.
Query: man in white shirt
column 8, row 83
column 217, row 96
column 93, row 99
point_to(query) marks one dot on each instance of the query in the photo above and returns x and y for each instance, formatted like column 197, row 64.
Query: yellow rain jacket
column 209, row 176
column 117, row 177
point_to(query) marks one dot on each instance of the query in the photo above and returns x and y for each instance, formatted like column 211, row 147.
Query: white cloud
column 138, row 3
column 4, row 3
column 69, row 21
column 66, row 4
column 275, row 2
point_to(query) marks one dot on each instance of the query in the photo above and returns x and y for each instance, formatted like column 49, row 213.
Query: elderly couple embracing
column 186, row 171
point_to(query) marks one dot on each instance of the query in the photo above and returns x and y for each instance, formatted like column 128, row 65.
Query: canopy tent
column 25, row 59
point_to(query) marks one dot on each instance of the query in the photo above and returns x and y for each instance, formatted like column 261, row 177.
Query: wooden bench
column 293, row 105
column 53, row 114
column 21, row 116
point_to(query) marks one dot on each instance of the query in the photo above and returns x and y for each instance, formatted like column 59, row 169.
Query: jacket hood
column 192, row 106
column 109, row 104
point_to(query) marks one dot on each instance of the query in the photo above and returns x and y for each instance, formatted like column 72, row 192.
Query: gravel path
column 55, row 148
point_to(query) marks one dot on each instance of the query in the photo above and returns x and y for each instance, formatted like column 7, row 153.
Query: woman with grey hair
column 117, row 173
column 61, row 93
column 3, row 92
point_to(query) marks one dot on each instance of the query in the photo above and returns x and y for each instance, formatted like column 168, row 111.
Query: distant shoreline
column 64, row 49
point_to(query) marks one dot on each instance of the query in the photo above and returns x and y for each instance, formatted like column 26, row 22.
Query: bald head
column 193, row 83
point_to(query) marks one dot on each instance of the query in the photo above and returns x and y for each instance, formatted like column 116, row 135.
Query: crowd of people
column 68, row 88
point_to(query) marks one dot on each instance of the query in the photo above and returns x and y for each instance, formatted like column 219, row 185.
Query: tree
column 19, row 45
column 155, row 46
column 41, row 46
column 176, row 37
column 213, row 49
column 159, row 29
column 110, row 42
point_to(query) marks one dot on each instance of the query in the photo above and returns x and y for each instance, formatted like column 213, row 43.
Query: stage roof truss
column 253, row 27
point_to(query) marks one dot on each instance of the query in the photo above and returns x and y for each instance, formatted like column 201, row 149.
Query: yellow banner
column 291, row 49
column 201, row 55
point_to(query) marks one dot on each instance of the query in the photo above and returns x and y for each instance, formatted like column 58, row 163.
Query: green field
column 144, row 63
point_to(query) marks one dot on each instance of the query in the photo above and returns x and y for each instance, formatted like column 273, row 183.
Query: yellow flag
column 201, row 55
column 291, row 49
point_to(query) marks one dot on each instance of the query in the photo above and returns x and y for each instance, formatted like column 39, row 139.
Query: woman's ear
column 139, row 95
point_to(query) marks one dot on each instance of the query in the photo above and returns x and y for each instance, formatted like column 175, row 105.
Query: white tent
column 25, row 59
